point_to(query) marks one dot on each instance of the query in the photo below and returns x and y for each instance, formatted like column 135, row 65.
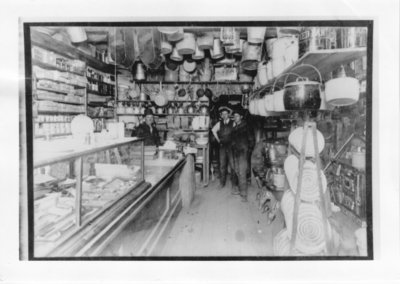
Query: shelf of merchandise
column 196, row 83
column 61, row 101
column 325, row 60
column 54, row 67
column 171, row 101
column 54, row 135
column 47, row 42
column 59, row 112
column 164, row 114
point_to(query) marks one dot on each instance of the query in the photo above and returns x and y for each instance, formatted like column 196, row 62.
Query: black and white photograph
column 198, row 139
column 189, row 142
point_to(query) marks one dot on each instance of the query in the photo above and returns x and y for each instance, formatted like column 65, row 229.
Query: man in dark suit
column 147, row 130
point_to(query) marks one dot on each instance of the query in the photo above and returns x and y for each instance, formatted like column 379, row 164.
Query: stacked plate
column 310, row 227
column 282, row 245
column 309, row 184
column 296, row 139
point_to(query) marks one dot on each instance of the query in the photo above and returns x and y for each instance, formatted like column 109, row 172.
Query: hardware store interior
column 197, row 141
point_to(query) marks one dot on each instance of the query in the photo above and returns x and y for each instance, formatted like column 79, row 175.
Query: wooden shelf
column 54, row 135
column 52, row 90
column 101, row 116
column 98, row 104
column 59, row 112
column 172, row 101
column 164, row 114
column 61, row 101
column 98, row 93
column 196, row 83
column 54, row 67
column 95, row 80
column 325, row 60
column 62, row 82
column 46, row 42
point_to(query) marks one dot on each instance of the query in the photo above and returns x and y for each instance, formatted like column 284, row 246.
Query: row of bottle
column 100, row 87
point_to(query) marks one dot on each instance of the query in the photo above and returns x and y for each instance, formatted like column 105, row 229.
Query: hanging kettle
column 303, row 94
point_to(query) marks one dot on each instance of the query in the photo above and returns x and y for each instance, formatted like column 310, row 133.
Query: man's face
column 149, row 119
column 237, row 117
column 224, row 115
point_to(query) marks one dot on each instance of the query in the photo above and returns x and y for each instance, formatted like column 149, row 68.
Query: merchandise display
column 132, row 123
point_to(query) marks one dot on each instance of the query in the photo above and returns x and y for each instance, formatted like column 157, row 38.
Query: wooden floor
column 219, row 224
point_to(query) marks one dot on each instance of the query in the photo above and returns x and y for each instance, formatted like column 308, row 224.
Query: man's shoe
column 235, row 192
column 244, row 198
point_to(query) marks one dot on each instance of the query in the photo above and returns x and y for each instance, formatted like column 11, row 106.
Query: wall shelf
column 196, row 83
column 61, row 101
column 54, row 67
column 325, row 60
column 47, row 42
column 98, row 93
column 59, row 112
column 172, row 101
column 164, row 114
column 62, row 82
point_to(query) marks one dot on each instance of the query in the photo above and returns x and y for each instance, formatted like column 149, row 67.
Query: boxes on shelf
column 49, row 106
column 57, row 61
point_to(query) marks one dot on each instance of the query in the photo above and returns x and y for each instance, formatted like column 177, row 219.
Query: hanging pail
column 278, row 66
column 269, row 46
column 175, row 55
column 251, row 56
column 269, row 103
column 287, row 47
column 256, row 34
column 241, row 45
column 278, row 101
column 198, row 54
column 177, row 35
column 166, row 46
column 77, row 34
column 261, row 108
column 342, row 91
column 168, row 30
column 228, row 36
column 139, row 73
column 187, row 45
column 171, row 75
column 205, row 41
column 235, row 47
column 217, row 51
column 262, row 73
column 189, row 66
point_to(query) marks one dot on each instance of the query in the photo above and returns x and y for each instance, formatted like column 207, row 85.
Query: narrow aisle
column 219, row 224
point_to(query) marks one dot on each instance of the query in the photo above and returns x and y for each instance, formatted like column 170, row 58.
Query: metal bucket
column 251, row 56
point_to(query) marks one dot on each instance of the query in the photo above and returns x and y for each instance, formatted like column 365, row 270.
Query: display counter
column 84, row 197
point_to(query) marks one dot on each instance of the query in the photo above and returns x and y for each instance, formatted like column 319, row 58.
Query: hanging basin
column 342, row 91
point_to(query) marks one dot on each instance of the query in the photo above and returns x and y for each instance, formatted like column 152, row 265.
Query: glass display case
column 81, row 188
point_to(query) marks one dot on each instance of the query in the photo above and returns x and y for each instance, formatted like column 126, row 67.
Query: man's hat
column 225, row 108
column 148, row 111
column 238, row 110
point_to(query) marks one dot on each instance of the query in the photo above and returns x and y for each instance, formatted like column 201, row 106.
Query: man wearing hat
column 222, row 131
column 242, row 140
column 147, row 130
